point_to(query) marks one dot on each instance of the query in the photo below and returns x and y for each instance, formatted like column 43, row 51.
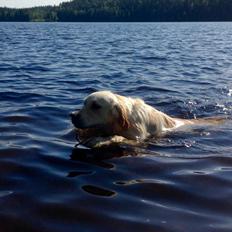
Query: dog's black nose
column 72, row 114
column 76, row 119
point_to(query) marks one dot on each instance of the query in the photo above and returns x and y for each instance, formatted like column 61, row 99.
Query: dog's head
column 102, row 109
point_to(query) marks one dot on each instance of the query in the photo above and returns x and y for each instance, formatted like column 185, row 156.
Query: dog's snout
column 76, row 119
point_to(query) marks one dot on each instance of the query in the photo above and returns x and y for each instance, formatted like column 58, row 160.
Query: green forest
column 124, row 11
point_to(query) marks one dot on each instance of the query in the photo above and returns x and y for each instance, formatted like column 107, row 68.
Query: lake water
column 182, row 182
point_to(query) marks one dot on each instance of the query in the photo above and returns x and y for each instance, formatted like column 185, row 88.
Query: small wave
column 171, row 144
column 230, row 92
column 157, row 58
column 151, row 88
column 33, row 67
column 18, row 118
column 19, row 96
column 79, row 173
column 142, row 181
column 5, row 193
column 221, row 106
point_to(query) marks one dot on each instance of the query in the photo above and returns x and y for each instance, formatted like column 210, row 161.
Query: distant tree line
column 125, row 10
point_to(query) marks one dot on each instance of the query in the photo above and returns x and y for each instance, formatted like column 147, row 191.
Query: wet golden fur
column 111, row 118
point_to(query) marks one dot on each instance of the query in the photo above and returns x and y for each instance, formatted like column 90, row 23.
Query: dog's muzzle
column 76, row 120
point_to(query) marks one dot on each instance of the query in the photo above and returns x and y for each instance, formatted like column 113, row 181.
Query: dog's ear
column 122, row 116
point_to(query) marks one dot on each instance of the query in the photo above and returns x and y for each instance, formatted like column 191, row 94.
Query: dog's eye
column 95, row 106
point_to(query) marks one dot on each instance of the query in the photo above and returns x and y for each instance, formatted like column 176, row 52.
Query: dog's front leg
column 100, row 142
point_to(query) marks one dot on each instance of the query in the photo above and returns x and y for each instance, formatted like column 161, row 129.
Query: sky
column 29, row 3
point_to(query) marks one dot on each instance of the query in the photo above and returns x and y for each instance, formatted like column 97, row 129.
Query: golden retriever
column 107, row 118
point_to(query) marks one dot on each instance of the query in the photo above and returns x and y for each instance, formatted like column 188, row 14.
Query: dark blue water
column 179, row 183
